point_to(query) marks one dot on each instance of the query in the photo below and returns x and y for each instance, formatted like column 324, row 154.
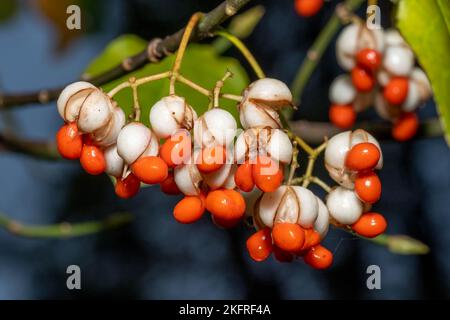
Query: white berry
column 215, row 127
column 136, row 140
column 342, row 90
column 344, row 206
column 188, row 179
column 114, row 162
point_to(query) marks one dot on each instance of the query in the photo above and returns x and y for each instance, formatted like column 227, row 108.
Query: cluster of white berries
column 382, row 74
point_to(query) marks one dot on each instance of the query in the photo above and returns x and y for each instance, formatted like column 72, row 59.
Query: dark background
column 156, row 258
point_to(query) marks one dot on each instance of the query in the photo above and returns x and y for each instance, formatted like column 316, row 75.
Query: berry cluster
column 350, row 159
column 383, row 74
column 206, row 159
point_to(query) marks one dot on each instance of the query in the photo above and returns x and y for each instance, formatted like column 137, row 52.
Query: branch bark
column 156, row 50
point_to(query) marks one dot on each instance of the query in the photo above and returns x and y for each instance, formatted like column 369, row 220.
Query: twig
column 64, row 229
column 155, row 51
column 218, row 87
column 39, row 149
column 294, row 162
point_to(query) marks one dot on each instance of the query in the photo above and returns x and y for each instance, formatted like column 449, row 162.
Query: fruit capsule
column 244, row 178
column 406, row 127
column 362, row 156
column 370, row 225
column 176, row 150
column 396, row 91
column 289, row 237
column 319, row 257
column 226, row 204
column 150, row 170
column 92, row 160
column 369, row 59
column 128, row 187
column 69, row 141
column 267, row 174
column 190, row 209
column 168, row 186
column 362, row 79
column 211, row 159
column 368, row 187
column 308, row 8
column 342, row 116
column 259, row 245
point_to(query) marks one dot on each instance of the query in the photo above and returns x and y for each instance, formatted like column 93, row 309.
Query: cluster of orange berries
column 308, row 8
column 382, row 73
column 213, row 165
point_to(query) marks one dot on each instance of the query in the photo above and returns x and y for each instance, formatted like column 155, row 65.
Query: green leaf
column 8, row 9
column 426, row 27
column 201, row 64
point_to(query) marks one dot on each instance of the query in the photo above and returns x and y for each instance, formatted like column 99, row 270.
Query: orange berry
column 168, row 186
column 211, row 159
column 319, row 257
column 189, row 209
column 226, row 204
column 312, row 238
column 224, row 223
column 69, row 141
column 259, row 245
column 363, row 156
column 243, row 177
column 396, row 90
column 406, row 127
column 308, row 8
column 92, row 160
column 176, row 150
column 267, row 174
column 289, row 237
column 370, row 225
column 342, row 116
column 362, row 79
column 369, row 59
column 368, row 187
column 128, row 187
column 281, row 255
column 150, row 170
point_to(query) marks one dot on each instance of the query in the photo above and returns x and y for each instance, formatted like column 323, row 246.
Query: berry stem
column 219, row 86
column 138, row 82
column 302, row 143
column 195, row 18
column 320, row 183
column 136, row 115
column 64, row 229
column 244, row 51
column 294, row 163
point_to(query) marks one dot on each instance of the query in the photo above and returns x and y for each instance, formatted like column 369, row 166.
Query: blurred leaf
column 406, row 245
column 425, row 26
column 201, row 64
column 7, row 9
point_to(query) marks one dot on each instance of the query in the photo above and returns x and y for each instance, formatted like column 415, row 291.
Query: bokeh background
column 154, row 257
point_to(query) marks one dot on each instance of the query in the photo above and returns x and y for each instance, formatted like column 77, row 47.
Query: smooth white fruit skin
column 344, row 206
column 107, row 136
column 167, row 115
column 412, row 101
column 393, row 38
column 254, row 116
column 95, row 112
column 342, row 90
column 215, row 126
column 187, row 178
column 68, row 92
column 353, row 38
column 322, row 222
column 309, row 208
column 419, row 76
column 279, row 147
column 399, row 61
column 269, row 90
column 240, row 148
column 114, row 163
column 268, row 205
column 217, row 179
column 133, row 140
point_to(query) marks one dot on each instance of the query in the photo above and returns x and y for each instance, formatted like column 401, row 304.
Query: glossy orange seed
column 369, row 59
column 289, row 237
column 226, row 204
column 92, row 160
column 244, row 178
column 150, row 170
column 189, row 209
column 368, row 187
column 405, row 128
column 211, row 159
column 319, row 257
column 312, row 238
column 396, row 90
column 342, row 116
column 259, row 245
column 267, row 174
column 308, row 8
column 362, row 156
column 128, row 187
column 69, row 141
column 176, row 150
column 370, row 225
column 362, row 79
column 168, row 186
